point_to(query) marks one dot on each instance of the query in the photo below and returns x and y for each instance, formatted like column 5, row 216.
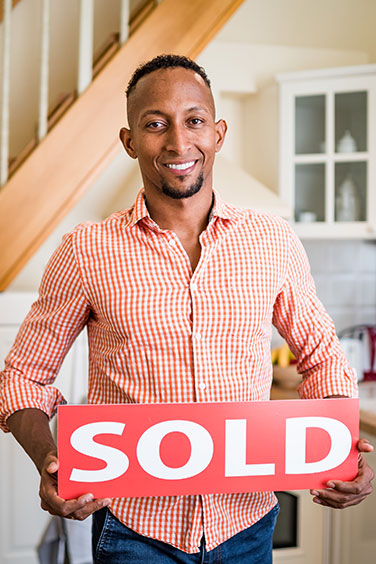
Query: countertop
column 367, row 417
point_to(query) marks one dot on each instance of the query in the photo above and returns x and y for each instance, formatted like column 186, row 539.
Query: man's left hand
column 344, row 494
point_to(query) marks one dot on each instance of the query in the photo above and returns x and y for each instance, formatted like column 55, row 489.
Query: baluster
column 44, row 71
column 85, row 52
column 124, row 21
column 7, row 8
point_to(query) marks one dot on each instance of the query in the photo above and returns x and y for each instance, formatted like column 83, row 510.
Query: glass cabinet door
column 310, row 143
column 331, row 158
column 310, row 112
column 310, row 192
column 350, row 122
column 350, row 179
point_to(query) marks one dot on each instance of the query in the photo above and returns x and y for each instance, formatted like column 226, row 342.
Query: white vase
column 347, row 201
column 347, row 143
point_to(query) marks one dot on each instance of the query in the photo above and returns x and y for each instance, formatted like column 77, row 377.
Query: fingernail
column 315, row 492
column 330, row 484
column 316, row 500
column 107, row 501
column 88, row 498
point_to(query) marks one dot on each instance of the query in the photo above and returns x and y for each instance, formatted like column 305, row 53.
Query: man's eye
column 155, row 124
column 196, row 121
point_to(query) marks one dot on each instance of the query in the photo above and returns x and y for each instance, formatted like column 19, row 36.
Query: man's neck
column 186, row 215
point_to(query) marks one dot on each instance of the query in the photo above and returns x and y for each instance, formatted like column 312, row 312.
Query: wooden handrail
column 62, row 168
column 2, row 7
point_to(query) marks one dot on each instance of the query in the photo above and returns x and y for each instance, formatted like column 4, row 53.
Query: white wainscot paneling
column 22, row 521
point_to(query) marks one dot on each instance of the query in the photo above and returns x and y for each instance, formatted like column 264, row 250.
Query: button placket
column 176, row 249
column 199, row 376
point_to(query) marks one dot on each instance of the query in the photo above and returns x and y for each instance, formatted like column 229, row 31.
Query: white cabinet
column 328, row 151
column 312, row 539
column 353, row 529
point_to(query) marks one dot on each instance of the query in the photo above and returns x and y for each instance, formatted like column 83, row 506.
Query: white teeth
column 181, row 166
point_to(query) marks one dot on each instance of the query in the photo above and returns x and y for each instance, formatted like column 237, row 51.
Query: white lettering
column 116, row 461
column 296, row 436
column 236, row 451
column 148, row 446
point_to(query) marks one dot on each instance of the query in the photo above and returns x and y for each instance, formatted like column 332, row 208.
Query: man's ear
column 221, row 128
column 127, row 141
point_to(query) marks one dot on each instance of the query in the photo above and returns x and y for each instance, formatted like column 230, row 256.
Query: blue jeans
column 114, row 543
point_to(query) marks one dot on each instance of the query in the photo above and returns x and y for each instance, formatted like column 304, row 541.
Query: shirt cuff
column 16, row 393
column 336, row 381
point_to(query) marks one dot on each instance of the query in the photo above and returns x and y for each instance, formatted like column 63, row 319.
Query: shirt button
column 202, row 386
column 172, row 242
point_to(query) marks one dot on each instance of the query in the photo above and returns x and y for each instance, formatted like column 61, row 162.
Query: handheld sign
column 136, row 450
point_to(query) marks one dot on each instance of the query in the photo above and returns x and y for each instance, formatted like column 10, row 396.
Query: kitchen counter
column 367, row 417
column 368, row 422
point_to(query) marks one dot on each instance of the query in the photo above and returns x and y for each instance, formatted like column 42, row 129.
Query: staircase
column 80, row 138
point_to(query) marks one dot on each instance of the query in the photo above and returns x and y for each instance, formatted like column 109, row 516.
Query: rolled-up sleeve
column 44, row 338
column 309, row 331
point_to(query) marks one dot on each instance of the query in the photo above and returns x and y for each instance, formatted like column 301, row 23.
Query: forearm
column 31, row 429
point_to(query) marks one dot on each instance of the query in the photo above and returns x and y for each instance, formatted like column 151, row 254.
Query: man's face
column 173, row 132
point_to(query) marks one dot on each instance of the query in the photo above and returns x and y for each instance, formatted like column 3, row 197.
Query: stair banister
column 124, row 21
column 85, row 42
column 5, row 92
column 44, row 70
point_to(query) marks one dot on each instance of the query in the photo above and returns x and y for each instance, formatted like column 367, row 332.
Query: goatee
column 178, row 195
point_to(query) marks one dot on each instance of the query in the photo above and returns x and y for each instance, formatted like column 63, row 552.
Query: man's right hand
column 79, row 508
column 31, row 429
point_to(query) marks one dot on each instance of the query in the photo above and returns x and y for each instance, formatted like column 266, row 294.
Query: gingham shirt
column 159, row 333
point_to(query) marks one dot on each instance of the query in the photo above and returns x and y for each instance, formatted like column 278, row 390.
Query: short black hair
column 165, row 61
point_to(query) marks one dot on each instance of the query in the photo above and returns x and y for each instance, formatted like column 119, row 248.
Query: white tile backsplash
column 365, row 315
column 367, row 290
column 367, row 253
column 345, row 278
column 344, row 256
column 342, row 317
column 342, row 289
column 322, row 286
column 318, row 255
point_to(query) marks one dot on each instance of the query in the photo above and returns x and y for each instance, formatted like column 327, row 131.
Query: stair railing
column 84, row 77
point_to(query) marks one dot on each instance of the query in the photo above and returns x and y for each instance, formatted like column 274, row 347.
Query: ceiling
column 333, row 24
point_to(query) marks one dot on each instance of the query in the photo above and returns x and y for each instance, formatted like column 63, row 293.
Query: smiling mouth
column 180, row 166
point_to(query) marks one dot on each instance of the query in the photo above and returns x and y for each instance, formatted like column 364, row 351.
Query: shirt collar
column 139, row 211
column 219, row 209
column 224, row 210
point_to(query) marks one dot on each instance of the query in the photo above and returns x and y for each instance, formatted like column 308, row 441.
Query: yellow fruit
column 274, row 354
column 284, row 356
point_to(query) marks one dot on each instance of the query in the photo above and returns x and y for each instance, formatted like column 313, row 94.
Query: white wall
column 329, row 24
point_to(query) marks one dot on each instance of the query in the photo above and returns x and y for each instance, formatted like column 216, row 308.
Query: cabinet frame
column 328, row 82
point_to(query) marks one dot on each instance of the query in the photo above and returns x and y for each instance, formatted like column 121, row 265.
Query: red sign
column 137, row 450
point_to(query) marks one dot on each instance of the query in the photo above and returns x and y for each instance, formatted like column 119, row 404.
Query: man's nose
column 177, row 139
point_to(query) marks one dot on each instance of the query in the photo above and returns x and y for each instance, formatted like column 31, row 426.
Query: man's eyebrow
column 198, row 109
column 160, row 113
column 151, row 112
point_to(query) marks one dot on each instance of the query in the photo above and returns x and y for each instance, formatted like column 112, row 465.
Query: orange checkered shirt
column 159, row 333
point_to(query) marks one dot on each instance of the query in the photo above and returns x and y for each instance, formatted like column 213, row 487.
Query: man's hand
column 31, row 429
column 78, row 509
column 344, row 494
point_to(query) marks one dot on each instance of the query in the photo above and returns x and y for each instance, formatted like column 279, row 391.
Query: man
column 179, row 293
